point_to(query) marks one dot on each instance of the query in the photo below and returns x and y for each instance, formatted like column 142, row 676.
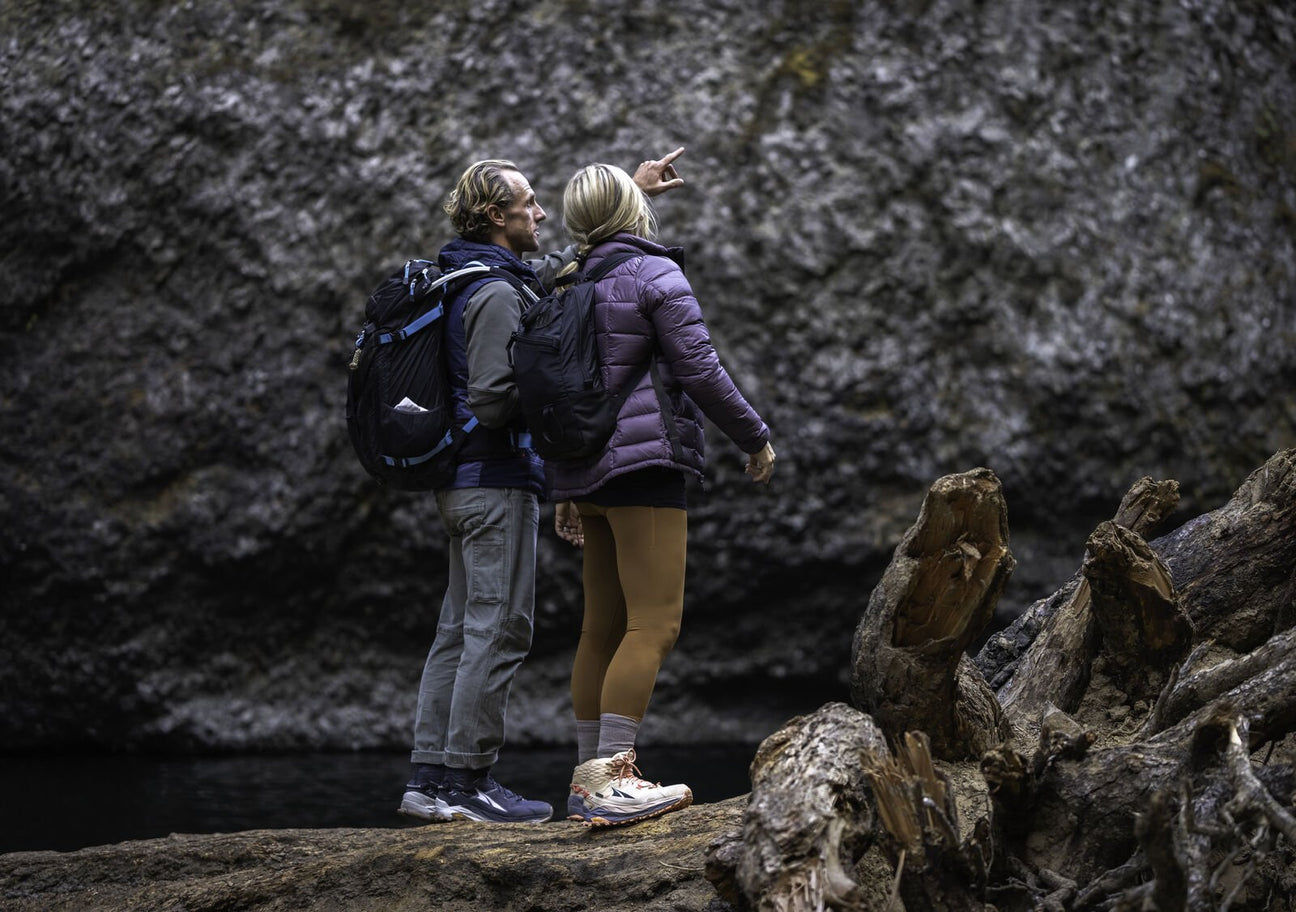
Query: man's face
column 517, row 227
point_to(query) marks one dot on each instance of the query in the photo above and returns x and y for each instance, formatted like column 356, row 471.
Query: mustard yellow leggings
column 634, row 599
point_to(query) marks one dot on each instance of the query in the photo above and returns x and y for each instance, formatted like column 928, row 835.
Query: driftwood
column 1056, row 667
column 810, row 818
column 1148, row 763
column 910, row 669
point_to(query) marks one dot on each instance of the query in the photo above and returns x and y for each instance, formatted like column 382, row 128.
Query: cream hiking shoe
column 610, row 792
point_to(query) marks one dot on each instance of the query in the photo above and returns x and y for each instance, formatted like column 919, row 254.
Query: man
column 491, row 509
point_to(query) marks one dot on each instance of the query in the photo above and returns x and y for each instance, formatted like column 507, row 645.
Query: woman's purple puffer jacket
column 645, row 305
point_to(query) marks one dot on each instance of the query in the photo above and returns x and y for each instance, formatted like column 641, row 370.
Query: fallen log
column 450, row 867
column 1190, row 807
column 810, row 818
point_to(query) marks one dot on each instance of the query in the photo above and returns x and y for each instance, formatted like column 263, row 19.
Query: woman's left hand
column 760, row 466
column 567, row 523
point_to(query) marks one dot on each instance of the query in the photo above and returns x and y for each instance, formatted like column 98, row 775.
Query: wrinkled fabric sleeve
column 547, row 267
column 490, row 317
column 685, row 343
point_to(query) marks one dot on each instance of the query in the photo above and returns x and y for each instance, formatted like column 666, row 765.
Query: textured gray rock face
column 1054, row 240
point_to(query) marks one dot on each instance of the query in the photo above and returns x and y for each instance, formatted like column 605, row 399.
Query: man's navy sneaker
column 487, row 801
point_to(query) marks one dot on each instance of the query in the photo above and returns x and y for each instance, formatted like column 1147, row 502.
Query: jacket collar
column 634, row 244
column 459, row 252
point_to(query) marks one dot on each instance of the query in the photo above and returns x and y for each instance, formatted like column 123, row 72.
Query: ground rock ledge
column 453, row 867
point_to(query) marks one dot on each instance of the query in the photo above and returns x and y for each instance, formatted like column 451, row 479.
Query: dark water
column 66, row 803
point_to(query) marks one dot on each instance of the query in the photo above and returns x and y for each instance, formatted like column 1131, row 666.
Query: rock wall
column 928, row 236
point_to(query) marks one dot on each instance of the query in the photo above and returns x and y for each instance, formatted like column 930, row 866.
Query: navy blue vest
column 491, row 457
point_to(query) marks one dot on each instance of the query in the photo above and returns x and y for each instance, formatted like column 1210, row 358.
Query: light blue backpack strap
column 407, row 462
column 427, row 319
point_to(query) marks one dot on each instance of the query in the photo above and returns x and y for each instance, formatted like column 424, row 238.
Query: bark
column 1191, row 689
column 909, row 670
column 1165, row 815
column 1055, row 671
column 1235, row 568
column 1093, row 816
column 1143, row 630
column 1147, row 506
column 939, row 869
column 829, row 802
column 810, row 818
column 1267, row 697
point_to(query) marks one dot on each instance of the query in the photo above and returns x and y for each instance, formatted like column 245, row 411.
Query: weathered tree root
column 937, row 869
column 1203, row 837
column 1055, row 670
column 1109, row 810
column 1188, row 693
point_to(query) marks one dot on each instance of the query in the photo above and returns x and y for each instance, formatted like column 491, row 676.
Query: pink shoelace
column 624, row 770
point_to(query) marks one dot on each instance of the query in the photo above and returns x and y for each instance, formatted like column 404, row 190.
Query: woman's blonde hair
column 602, row 200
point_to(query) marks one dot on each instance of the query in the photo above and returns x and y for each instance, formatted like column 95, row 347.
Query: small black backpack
column 400, row 416
column 554, row 354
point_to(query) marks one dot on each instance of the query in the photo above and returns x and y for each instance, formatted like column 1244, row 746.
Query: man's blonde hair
column 602, row 200
column 481, row 186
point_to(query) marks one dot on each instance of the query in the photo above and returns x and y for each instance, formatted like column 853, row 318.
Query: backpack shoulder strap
column 471, row 272
column 480, row 273
column 609, row 263
column 468, row 275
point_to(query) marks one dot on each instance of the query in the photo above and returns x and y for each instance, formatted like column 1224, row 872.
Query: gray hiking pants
column 484, row 631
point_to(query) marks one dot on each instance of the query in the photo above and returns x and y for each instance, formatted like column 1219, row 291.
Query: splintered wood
column 935, row 598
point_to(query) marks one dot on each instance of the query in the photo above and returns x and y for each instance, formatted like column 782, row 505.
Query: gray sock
column 616, row 734
column 587, row 739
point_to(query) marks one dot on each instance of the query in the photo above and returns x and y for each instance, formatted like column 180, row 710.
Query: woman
column 626, row 505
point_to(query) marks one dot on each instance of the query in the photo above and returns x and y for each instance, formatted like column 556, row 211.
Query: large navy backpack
column 400, row 416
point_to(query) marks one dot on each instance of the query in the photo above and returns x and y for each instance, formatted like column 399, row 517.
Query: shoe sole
column 462, row 813
column 421, row 807
column 604, row 820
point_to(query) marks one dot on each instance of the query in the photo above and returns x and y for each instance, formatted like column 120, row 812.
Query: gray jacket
column 492, row 314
